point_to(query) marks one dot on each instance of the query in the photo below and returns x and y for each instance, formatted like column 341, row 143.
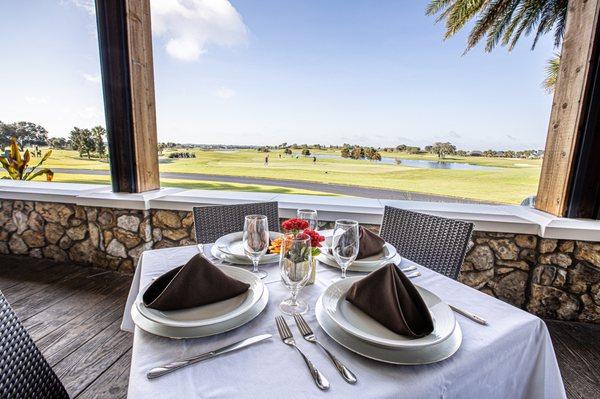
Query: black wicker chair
column 212, row 222
column 431, row 241
column 24, row 373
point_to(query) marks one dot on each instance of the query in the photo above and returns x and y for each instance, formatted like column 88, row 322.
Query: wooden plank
column 102, row 296
column 12, row 271
column 125, row 40
column 112, row 383
column 39, row 301
column 34, row 282
column 577, row 348
column 567, row 114
column 82, row 367
column 141, row 69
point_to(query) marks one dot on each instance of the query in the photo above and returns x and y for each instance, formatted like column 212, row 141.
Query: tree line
column 88, row 142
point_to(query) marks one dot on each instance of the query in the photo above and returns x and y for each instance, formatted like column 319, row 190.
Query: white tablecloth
column 511, row 358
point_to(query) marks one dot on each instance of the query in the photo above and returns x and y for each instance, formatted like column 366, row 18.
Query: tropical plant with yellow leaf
column 17, row 165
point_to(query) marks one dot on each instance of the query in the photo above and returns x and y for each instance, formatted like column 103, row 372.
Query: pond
column 420, row 163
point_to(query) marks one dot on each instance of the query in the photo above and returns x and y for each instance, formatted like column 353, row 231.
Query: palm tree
column 552, row 68
column 504, row 22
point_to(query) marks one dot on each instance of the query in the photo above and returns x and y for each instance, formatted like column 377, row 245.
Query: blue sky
column 272, row 71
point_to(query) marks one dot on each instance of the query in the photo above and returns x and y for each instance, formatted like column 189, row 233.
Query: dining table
column 511, row 357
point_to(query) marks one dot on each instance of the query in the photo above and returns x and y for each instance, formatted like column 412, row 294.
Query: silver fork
column 288, row 339
column 308, row 335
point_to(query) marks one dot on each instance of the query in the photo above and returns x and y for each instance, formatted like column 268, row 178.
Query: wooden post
column 569, row 108
column 125, row 39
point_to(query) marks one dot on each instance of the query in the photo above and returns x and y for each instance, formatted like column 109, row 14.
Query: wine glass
column 256, row 240
column 310, row 215
column 345, row 243
column 295, row 266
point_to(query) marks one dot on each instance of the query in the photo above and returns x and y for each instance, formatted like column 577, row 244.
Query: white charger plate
column 212, row 313
column 357, row 323
column 426, row 355
column 214, row 251
column 330, row 261
column 232, row 245
column 162, row 330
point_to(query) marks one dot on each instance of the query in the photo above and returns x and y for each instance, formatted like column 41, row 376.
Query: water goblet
column 345, row 243
column 255, row 240
column 310, row 215
column 295, row 265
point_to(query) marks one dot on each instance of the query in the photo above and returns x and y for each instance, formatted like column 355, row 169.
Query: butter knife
column 470, row 315
column 170, row 367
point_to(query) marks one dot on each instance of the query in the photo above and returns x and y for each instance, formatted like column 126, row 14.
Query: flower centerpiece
column 293, row 228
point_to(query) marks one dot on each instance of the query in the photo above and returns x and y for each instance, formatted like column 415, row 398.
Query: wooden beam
column 569, row 106
column 125, row 39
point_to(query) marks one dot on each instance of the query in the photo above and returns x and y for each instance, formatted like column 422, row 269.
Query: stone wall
column 105, row 237
column 551, row 278
column 555, row 279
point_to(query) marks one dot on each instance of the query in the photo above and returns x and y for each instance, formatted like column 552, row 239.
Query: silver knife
column 469, row 315
column 170, row 367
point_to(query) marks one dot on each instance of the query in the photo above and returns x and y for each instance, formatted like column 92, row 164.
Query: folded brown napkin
column 196, row 283
column 370, row 243
column 389, row 297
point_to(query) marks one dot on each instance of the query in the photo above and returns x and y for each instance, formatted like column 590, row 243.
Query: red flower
column 315, row 238
column 294, row 224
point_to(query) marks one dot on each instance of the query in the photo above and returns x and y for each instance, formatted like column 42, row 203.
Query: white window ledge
column 494, row 218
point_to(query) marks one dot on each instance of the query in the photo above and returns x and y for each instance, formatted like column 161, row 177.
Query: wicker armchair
column 431, row 241
column 212, row 222
column 24, row 373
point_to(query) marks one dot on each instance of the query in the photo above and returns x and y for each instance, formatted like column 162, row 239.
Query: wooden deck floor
column 74, row 313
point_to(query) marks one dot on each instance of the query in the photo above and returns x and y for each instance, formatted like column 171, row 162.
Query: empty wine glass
column 310, row 215
column 256, row 240
column 345, row 243
column 295, row 266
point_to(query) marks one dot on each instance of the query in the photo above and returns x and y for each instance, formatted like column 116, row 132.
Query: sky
column 264, row 72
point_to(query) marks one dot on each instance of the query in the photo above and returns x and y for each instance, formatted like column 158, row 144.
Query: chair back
column 24, row 373
column 435, row 242
column 212, row 222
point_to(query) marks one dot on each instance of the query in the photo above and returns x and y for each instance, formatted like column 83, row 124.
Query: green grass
column 511, row 182
column 192, row 184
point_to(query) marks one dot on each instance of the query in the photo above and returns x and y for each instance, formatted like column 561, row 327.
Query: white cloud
column 189, row 26
column 92, row 78
column 225, row 93
column 91, row 112
column 33, row 100
column 87, row 5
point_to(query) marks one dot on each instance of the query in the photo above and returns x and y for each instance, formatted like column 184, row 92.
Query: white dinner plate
column 357, row 323
column 209, row 314
column 426, row 355
column 232, row 245
column 203, row 331
column 234, row 260
column 367, row 264
column 354, row 267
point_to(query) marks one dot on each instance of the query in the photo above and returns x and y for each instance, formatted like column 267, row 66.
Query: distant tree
column 346, row 152
column 372, row 154
column 282, row 145
column 160, row 147
column 288, row 151
column 57, row 142
column 443, row 149
column 489, row 153
column 82, row 141
column 306, row 152
column 98, row 133
column 263, row 149
column 462, row 153
column 401, row 148
column 27, row 133
column 510, row 154
column 357, row 153
column 413, row 150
